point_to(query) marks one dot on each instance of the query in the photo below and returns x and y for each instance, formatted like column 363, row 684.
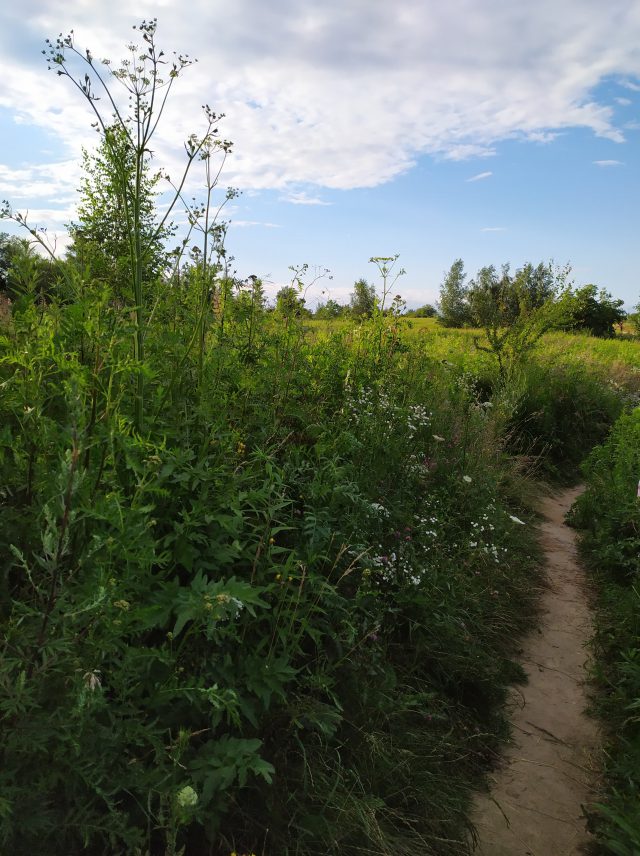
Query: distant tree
column 501, row 297
column 596, row 311
column 363, row 299
column 101, row 240
column 535, row 284
column 492, row 298
column 453, row 297
column 426, row 311
column 329, row 310
column 289, row 303
column 512, row 324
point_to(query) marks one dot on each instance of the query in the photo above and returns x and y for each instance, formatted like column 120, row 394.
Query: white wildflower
column 517, row 520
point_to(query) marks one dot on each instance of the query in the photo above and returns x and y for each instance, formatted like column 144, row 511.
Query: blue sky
column 488, row 131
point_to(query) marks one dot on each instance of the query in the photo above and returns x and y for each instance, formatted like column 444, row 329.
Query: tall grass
column 609, row 515
column 279, row 621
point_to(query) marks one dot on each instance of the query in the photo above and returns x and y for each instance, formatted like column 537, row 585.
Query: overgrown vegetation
column 260, row 588
column 609, row 515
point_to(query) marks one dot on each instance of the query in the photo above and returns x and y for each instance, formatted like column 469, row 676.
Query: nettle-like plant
column 134, row 95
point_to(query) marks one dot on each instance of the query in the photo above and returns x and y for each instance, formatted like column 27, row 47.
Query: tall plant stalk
column 128, row 139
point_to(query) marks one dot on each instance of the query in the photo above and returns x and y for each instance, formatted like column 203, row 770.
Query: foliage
column 100, row 239
column 453, row 297
column 301, row 518
column 608, row 514
column 278, row 614
column 16, row 255
column 596, row 312
column 126, row 149
column 329, row 310
column 515, row 316
column 426, row 311
column 289, row 303
column 363, row 299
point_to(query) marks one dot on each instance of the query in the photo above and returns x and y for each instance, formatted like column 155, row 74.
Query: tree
column 512, row 322
column 426, row 311
column 329, row 310
column 363, row 299
column 100, row 239
column 289, row 303
column 493, row 299
column 595, row 312
column 453, row 297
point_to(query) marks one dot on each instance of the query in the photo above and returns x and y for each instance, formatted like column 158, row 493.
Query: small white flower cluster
column 378, row 510
column 419, row 417
column 367, row 404
column 480, row 536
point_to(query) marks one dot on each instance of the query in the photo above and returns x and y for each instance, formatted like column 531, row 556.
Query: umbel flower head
column 187, row 797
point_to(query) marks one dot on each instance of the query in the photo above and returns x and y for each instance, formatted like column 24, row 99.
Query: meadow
column 282, row 617
column 263, row 579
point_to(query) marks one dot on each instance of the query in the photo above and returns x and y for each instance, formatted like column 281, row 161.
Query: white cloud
column 301, row 198
column 340, row 95
column 624, row 102
column 606, row 163
column 47, row 181
column 494, row 229
column 480, row 176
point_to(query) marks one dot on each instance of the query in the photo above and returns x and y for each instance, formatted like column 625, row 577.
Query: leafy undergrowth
column 277, row 620
column 609, row 515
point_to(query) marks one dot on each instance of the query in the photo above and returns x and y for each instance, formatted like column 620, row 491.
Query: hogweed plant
column 127, row 127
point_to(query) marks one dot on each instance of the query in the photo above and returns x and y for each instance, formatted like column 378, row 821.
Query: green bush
column 609, row 515
column 290, row 606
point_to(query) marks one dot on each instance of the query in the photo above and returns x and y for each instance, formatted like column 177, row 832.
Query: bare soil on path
column 535, row 806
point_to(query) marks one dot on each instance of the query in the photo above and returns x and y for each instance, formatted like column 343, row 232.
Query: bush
column 609, row 515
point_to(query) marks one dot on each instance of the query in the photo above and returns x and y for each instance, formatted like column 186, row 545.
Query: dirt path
column 535, row 805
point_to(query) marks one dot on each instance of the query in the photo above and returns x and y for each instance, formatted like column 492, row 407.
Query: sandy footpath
column 537, row 793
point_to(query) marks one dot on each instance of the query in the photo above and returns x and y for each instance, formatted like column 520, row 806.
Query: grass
column 608, row 514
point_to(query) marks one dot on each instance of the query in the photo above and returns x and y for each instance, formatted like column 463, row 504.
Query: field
column 264, row 578
column 278, row 616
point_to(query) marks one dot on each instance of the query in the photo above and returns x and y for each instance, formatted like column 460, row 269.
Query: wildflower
column 122, row 604
column 241, row 449
column 517, row 520
column 187, row 797
column 272, row 541
column 438, row 438
column 467, row 479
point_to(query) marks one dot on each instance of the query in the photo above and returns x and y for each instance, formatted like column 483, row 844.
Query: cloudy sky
column 489, row 130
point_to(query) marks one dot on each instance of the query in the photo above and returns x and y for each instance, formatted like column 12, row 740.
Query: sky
column 494, row 131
